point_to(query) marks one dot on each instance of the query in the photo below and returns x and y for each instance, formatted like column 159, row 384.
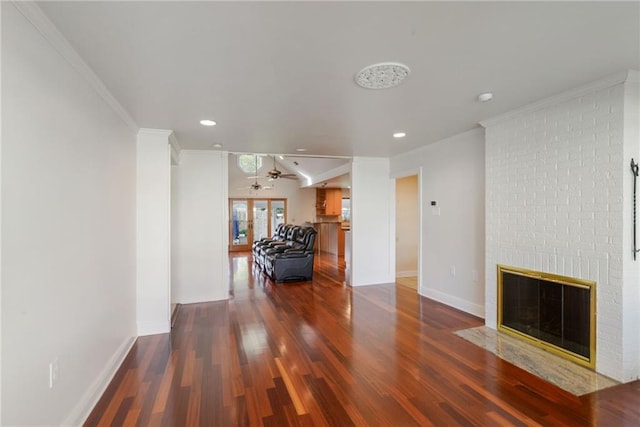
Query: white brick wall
column 554, row 203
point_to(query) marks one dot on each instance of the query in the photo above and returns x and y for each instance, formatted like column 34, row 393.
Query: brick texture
column 554, row 202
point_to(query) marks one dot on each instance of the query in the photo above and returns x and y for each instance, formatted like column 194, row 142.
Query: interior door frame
column 250, row 205
column 401, row 174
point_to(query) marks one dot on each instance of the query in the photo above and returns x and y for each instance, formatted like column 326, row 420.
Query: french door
column 253, row 219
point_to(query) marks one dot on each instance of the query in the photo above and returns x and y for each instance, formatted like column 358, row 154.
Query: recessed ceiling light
column 484, row 97
column 217, row 145
column 207, row 123
column 382, row 76
column 399, row 135
column 301, row 149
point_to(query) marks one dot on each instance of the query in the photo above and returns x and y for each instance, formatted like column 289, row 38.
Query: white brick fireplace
column 559, row 200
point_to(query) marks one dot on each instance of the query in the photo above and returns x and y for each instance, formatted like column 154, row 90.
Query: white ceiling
column 277, row 76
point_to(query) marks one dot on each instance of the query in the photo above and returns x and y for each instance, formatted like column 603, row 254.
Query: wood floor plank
column 322, row 354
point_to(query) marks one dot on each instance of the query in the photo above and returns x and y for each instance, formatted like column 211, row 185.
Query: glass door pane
column 278, row 213
column 260, row 219
column 239, row 239
column 253, row 219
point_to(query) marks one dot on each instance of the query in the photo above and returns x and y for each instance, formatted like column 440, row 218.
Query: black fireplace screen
column 548, row 310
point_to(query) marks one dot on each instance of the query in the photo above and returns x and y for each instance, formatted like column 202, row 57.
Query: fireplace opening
column 554, row 312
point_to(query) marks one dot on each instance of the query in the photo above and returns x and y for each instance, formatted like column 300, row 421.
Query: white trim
column 41, row 22
column 403, row 174
column 420, row 229
column 633, row 76
column 83, row 408
column 373, row 284
column 154, row 132
column 612, row 80
column 1, row 226
column 176, row 149
column 154, row 328
column 224, row 225
column 207, row 298
column 455, row 302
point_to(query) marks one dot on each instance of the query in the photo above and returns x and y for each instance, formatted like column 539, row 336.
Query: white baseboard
column 407, row 273
column 373, row 284
column 154, row 328
column 455, row 302
column 81, row 411
column 208, row 298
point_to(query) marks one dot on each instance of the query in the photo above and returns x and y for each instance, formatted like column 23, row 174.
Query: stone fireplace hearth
column 559, row 371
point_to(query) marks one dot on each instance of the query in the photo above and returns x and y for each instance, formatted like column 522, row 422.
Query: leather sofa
column 287, row 233
column 278, row 235
column 292, row 260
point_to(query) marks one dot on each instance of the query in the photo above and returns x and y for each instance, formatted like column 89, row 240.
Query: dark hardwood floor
column 320, row 353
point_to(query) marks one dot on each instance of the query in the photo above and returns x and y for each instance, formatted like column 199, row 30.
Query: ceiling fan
column 275, row 173
column 255, row 186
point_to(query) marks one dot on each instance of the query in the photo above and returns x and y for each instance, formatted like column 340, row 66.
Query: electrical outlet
column 54, row 373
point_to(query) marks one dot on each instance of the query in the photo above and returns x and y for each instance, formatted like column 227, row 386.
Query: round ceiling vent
column 382, row 76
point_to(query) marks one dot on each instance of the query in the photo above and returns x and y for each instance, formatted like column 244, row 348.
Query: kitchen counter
column 327, row 238
column 331, row 236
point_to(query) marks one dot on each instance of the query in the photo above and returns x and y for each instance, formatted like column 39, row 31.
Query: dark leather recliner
column 291, row 235
column 293, row 260
column 279, row 234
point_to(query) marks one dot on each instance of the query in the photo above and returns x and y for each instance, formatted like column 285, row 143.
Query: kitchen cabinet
column 329, row 201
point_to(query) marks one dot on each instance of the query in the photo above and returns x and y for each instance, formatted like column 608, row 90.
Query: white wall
column 153, row 231
column 1, row 116
column 301, row 202
column 200, row 236
column 407, row 226
column 630, row 267
column 68, row 241
column 372, row 222
column 452, row 232
column 559, row 190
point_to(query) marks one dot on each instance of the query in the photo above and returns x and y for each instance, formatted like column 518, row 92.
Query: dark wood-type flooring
column 320, row 353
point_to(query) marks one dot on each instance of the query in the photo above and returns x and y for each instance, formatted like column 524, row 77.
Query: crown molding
column 174, row 144
column 612, row 80
column 51, row 34
column 176, row 149
column 156, row 132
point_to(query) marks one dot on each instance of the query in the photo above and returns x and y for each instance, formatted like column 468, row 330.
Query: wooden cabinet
column 340, row 242
column 329, row 201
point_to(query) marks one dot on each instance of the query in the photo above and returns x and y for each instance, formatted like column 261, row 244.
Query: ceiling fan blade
column 288, row 175
column 253, row 177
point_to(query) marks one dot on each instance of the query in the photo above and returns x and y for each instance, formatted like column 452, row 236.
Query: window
column 249, row 163
column 346, row 209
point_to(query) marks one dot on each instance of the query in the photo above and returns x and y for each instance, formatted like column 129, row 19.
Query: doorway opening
column 253, row 219
column 407, row 231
